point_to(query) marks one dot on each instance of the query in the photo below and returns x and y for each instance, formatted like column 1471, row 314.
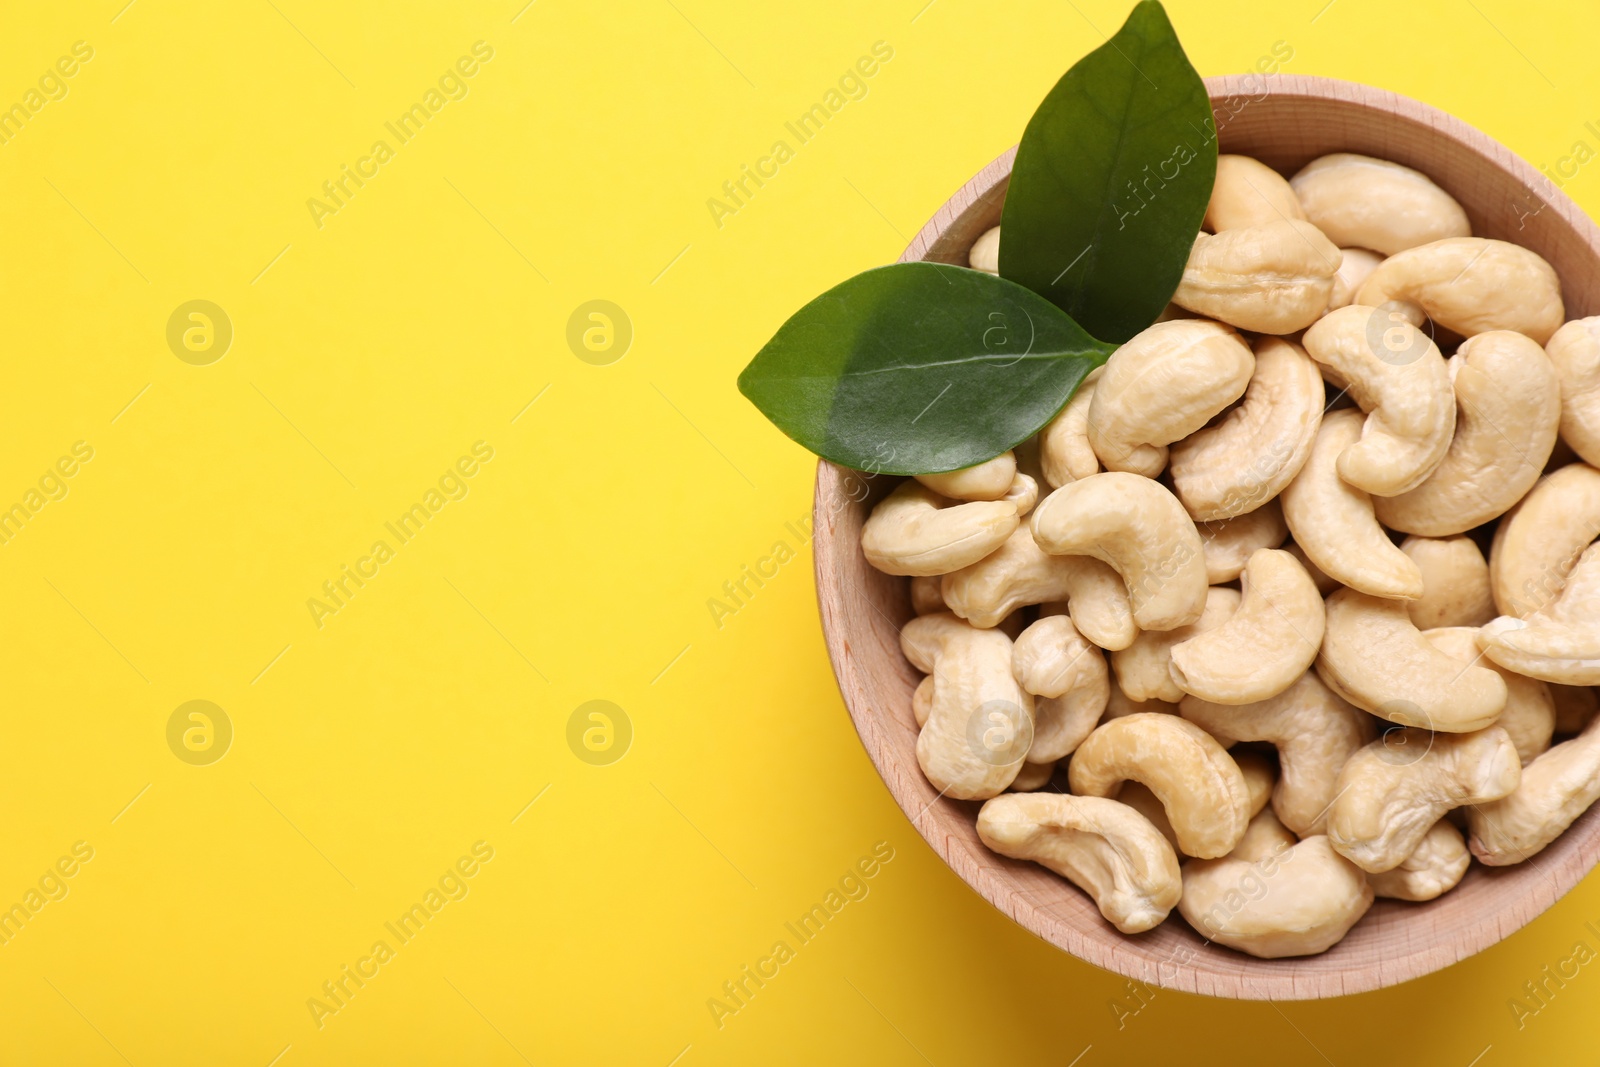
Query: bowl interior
column 1285, row 121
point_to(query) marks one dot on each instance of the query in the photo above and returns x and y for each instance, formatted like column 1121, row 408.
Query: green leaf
column 1111, row 181
column 918, row 368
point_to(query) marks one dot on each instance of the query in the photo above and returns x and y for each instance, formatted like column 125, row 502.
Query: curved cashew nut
column 1064, row 450
column 1121, row 706
column 1530, row 712
column 1273, row 897
column 1247, row 192
column 1019, row 573
column 1556, row 788
column 1394, row 790
column 1435, row 867
column 1314, row 730
column 1372, row 203
column 1144, row 668
column 1069, row 679
column 985, row 252
column 979, row 721
column 1276, row 277
column 1104, row 848
column 1455, row 582
column 1539, row 541
column 1246, row 459
column 1397, row 375
column 1141, row 530
column 1032, row 778
column 1576, row 706
column 1375, row 658
column 1264, row 646
column 1354, row 270
column 1228, row 544
column 1200, row 786
column 912, row 531
column 1258, row 778
column 989, row 480
column 1561, row 641
column 1509, row 408
column 1472, row 285
column 1162, row 386
column 1574, row 351
column 1333, row 522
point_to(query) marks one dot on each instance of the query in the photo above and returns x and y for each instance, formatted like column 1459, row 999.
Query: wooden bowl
column 1284, row 121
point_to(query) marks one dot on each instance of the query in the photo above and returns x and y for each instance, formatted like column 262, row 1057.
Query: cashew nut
column 1143, row 669
column 1539, row 540
column 1530, row 712
column 1019, row 573
column 1433, row 868
column 1024, row 493
column 1161, row 386
column 985, row 252
column 1574, row 350
column 1258, row 778
column 1314, row 731
column 1392, row 791
column 1556, row 788
column 913, row 531
column 1455, row 582
column 1357, row 265
column 1561, row 641
column 1509, row 407
column 1104, row 848
column 979, row 722
column 1372, row 203
column 989, row 480
column 1396, row 374
column 1247, row 192
column 1576, row 706
column 1253, row 451
column 1374, row 657
column 1069, row 679
column 1265, row 645
column 1333, row 522
column 1199, row 784
column 1032, row 778
column 1229, row 543
column 1141, row 530
column 1472, row 285
column 1276, row 277
column 1272, row 897
column 1064, row 449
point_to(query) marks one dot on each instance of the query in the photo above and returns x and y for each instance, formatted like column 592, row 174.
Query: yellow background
column 369, row 754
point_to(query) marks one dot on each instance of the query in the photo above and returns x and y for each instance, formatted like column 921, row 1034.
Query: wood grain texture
column 1284, row 120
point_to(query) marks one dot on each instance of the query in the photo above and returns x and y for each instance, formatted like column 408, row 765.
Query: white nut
column 1064, row 450
column 1139, row 528
column 1395, row 373
column 1069, row 679
column 1472, row 285
column 1539, row 541
column 1392, row 792
column 1374, row 657
column 989, row 480
column 1372, row 203
column 915, row 531
column 980, row 722
column 1530, row 712
column 1020, row 573
column 1333, row 522
column 1561, row 641
column 1357, row 265
column 1143, row 669
column 1200, row 786
column 1104, row 848
column 1455, row 582
column 1576, row 707
column 1252, row 452
column 985, row 252
column 1508, row 408
column 1024, row 493
column 1274, row 278
column 1247, row 192
column 1434, row 868
column 1574, row 350
column 1161, row 386
column 1272, row 897
column 1555, row 789
column 1229, row 543
column 1314, row 731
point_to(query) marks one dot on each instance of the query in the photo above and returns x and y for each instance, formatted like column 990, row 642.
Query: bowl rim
column 1527, row 890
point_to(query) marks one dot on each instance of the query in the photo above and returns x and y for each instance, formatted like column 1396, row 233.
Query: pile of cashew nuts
column 1223, row 636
